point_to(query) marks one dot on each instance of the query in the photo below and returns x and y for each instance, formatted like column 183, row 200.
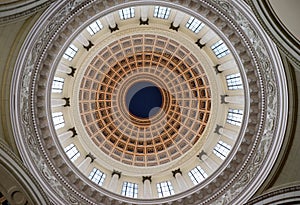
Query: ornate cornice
column 239, row 176
column 290, row 193
column 284, row 40
column 20, row 174
column 18, row 12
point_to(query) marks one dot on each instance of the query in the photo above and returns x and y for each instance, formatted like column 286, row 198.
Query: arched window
column 58, row 120
column 126, row 13
column 94, row 27
column 97, row 176
column 130, row 189
column 220, row 49
column 197, row 175
column 72, row 152
column 235, row 117
column 194, row 25
column 70, row 52
column 165, row 189
column 161, row 12
column 57, row 85
column 222, row 149
column 234, row 82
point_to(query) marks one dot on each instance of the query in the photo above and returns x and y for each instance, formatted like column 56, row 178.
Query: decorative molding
column 88, row 47
column 201, row 154
column 17, row 180
column 276, row 30
column 146, row 22
column 199, row 44
column 216, row 69
column 176, row 171
column 116, row 28
column 73, row 130
column 173, row 27
column 117, row 173
column 288, row 194
column 91, row 156
column 223, row 101
column 67, row 103
column 18, row 11
column 72, row 72
column 147, row 178
column 245, row 169
column 217, row 130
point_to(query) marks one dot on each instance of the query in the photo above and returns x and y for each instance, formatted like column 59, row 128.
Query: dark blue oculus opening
column 143, row 99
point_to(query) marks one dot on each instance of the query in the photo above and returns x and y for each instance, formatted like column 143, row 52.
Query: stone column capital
column 176, row 172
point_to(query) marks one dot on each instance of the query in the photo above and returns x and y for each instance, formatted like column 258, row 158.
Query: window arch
column 165, row 189
column 70, row 52
column 220, row 49
column 194, row 24
column 57, row 84
column 126, row 13
column 234, row 82
column 94, row 27
column 97, row 176
column 222, row 149
column 58, row 120
column 130, row 189
column 235, row 117
column 197, row 175
column 161, row 12
column 72, row 152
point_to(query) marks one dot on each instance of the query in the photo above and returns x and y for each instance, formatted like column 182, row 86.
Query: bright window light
column 234, row 82
column 70, row 52
column 194, row 25
column 235, row 117
column 161, row 12
column 130, row 189
column 72, row 152
column 220, row 49
column 165, row 189
column 126, row 13
column 57, row 85
column 58, row 120
column 197, row 175
column 97, row 176
column 222, row 150
column 94, row 27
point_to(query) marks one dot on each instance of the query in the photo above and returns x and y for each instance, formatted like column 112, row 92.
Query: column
column 111, row 22
column 177, row 174
column 220, row 130
column 82, row 39
column 64, row 68
column 234, row 99
column 178, row 18
column 227, row 65
column 207, row 37
column 147, row 187
column 58, row 102
column 113, row 184
column 83, row 166
column 67, row 135
column 144, row 13
column 65, row 102
column 87, row 44
column 211, row 164
column 228, row 133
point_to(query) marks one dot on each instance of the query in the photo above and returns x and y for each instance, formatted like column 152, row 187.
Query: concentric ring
column 186, row 100
column 235, row 181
